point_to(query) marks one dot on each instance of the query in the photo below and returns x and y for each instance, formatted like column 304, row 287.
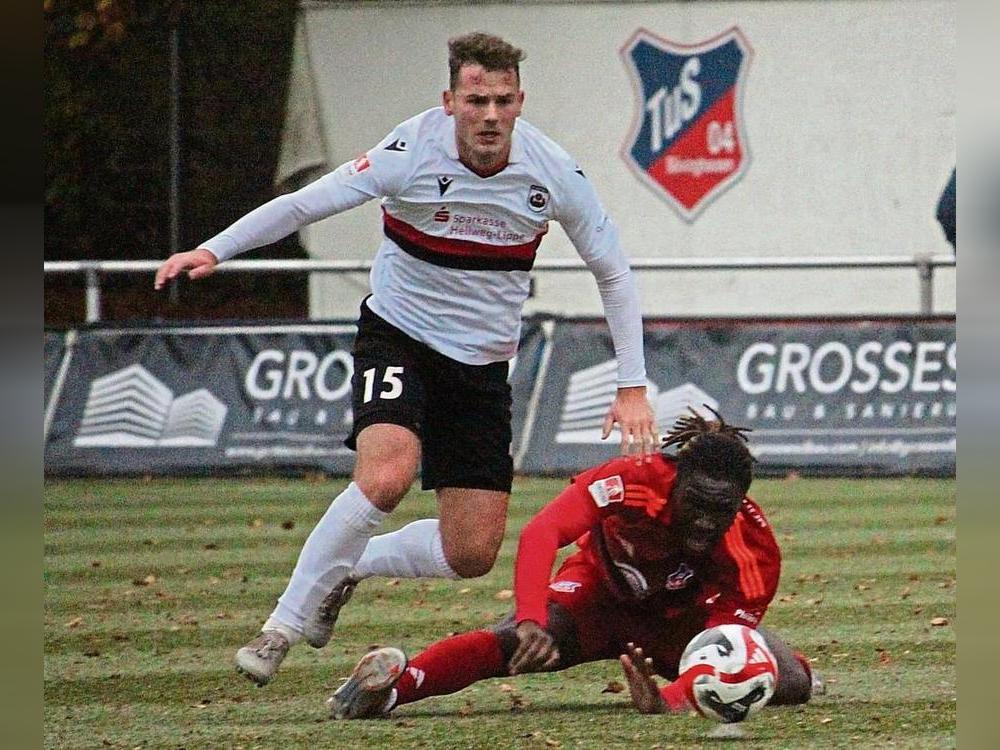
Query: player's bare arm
column 638, row 670
column 633, row 414
column 536, row 650
column 198, row 263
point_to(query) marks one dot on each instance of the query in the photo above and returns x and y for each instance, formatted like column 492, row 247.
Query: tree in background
column 107, row 146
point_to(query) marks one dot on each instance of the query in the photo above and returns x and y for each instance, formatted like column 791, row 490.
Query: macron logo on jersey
column 607, row 491
column 397, row 145
column 444, row 182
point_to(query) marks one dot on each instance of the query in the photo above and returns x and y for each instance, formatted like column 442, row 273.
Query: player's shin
column 328, row 556
column 451, row 665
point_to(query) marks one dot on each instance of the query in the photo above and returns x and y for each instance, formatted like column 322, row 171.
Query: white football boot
column 260, row 658
column 368, row 692
column 319, row 628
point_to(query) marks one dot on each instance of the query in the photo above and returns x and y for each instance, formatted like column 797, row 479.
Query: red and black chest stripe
column 462, row 254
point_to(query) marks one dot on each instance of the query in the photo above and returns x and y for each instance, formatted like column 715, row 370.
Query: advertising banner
column 822, row 397
column 198, row 400
column 53, row 349
column 862, row 397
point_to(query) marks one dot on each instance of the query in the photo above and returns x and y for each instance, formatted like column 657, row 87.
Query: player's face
column 485, row 105
column 704, row 508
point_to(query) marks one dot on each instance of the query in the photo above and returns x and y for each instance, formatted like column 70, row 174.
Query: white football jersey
column 453, row 267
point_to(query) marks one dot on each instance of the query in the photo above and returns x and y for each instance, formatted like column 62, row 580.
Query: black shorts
column 461, row 413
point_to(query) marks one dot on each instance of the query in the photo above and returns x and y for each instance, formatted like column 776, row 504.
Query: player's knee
column 386, row 488
column 794, row 687
column 471, row 563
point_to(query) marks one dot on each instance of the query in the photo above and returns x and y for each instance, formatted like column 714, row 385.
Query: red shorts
column 604, row 624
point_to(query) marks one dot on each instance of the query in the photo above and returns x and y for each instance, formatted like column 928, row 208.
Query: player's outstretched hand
column 536, row 651
column 642, row 687
column 633, row 414
column 198, row 263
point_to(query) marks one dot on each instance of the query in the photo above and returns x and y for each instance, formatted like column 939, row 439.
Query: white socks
column 414, row 551
column 328, row 556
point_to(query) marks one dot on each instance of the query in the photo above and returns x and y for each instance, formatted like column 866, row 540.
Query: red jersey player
column 667, row 548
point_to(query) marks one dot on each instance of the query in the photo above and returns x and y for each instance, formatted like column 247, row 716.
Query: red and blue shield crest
column 688, row 142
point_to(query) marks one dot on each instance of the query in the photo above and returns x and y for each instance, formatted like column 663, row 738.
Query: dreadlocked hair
column 711, row 447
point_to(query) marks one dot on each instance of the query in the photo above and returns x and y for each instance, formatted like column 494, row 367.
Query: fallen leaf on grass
column 256, row 523
column 504, row 594
column 939, row 621
column 517, row 702
column 466, row 710
column 613, row 687
column 147, row 581
column 884, row 658
column 506, row 687
column 825, row 720
column 75, row 622
column 288, row 525
column 202, row 703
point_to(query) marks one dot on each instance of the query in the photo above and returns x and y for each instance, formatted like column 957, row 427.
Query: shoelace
column 271, row 643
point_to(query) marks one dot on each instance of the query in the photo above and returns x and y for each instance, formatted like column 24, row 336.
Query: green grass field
column 151, row 586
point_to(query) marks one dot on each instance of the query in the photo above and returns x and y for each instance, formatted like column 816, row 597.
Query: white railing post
column 925, row 270
column 93, row 296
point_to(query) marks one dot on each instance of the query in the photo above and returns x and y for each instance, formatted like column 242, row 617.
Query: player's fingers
column 200, row 272
column 649, row 441
column 514, row 666
column 609, row 422
column 628, row 668
column 552, row 661
column 628, row 440
column 163, row 274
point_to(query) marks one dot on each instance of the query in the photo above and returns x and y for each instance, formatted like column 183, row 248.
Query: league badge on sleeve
column 607, row 491
column 687, row 142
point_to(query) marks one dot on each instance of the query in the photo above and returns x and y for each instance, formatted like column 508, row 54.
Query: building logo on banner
column 688, row 142
column 591, row 392
column 131, row 408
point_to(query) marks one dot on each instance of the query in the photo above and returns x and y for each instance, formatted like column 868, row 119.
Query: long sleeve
column 285, row 214
column 595, row 237
column 379, row 173
column 558, row 524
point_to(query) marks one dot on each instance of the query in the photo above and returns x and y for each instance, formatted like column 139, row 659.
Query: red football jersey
column 619, row 513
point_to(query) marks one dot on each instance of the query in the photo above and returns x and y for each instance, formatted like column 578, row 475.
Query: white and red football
column 734, row 672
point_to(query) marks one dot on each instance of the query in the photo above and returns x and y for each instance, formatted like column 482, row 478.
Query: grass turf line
column 151, row 586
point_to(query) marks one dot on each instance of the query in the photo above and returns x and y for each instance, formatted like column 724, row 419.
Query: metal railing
column 923, row 264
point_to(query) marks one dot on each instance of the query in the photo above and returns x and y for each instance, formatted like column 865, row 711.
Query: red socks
column 675, row 695
column 450, row 665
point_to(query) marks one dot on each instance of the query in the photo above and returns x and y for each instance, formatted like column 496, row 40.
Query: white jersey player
column 467, row 193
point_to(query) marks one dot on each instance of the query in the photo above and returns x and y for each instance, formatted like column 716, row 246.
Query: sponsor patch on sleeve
column 607, row 491
column 359, row 165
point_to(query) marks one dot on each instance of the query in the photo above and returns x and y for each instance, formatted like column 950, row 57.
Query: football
column 734, row 672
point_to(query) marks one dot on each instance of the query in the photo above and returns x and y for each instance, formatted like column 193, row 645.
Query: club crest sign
column 687, row 142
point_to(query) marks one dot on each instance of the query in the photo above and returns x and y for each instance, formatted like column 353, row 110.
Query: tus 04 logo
column 687, row 142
